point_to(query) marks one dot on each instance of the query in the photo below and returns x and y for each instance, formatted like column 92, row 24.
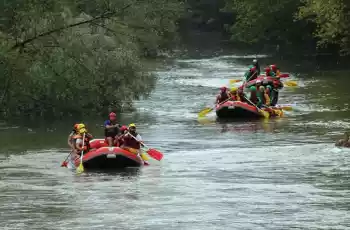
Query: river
column 278, row 174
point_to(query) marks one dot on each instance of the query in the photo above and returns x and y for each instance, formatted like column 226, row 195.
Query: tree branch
column 105, row 15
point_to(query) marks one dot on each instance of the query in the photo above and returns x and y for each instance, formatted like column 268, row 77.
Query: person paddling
column 82, row 137
column 223, row 95
column 257, row 66
column 343, row 142
column 251, row 74
column 275, row 70
column 112, row 129
column 132, row 141
column 74, row 132
column 123, row 130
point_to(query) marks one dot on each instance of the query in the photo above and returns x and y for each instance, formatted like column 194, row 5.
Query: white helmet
column 255, row 61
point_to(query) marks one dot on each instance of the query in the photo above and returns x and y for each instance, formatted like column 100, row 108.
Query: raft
column 109, row 158
column 243, row 110
column 266, row 80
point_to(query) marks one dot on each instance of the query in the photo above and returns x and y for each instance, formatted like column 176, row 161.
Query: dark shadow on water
column 111, row 174
column 270, row 125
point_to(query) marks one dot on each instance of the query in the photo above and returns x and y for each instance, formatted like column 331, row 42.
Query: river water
column 278, row 174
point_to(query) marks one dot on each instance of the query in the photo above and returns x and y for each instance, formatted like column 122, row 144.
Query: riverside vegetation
column 61, row 58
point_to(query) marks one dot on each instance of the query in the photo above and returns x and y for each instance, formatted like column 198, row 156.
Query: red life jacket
column 129, row 141
column 222, row 97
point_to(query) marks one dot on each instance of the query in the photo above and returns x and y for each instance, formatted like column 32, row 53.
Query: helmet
column 112, row 114
column 223, row 88
column 123, row 128
column 132, row 125
column 234, row 89
column 75, row 127
column 255, row 61
column 83, row 130
column 252, row 88
column 273, row 68
column 262, row 88
column 80, row 126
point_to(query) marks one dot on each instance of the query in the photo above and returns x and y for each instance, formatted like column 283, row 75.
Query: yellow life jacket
column 267, row 99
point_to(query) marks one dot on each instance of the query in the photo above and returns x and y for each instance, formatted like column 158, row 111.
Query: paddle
column 155, row 154
column 205, row 111
column 80, row 169
column 64, row 163
column 232, row 81
column 291, row 83
column 286, row 107
column 262, row 112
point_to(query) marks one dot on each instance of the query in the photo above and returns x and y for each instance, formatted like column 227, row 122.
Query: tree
column 332, row 20
column 72, row 57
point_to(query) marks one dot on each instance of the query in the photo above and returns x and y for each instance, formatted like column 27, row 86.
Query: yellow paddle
column 80, row 169
column 287, row 108
column 144, row 156
column 262, row 112
column 291, row 83
column 205, row 111
column 232, row 81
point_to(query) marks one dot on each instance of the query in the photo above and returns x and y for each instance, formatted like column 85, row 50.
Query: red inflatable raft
column 102, row 157
column 266, row 80
column 239, row 110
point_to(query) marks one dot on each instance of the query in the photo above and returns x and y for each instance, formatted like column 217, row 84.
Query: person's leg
column 110, row 141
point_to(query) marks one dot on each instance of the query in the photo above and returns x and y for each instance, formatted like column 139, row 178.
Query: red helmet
column 273, row 68
column 75, row 127
column 123, row 128
column 267, row 70
column 112, row 114
column 223, row 88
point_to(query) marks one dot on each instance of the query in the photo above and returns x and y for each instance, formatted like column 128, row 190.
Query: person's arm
column 70, row 137
column 108, row 125
column 139, row 138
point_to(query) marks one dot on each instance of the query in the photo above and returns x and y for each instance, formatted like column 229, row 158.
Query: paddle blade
column 64, row 164
column 232, row 81
column 204, row 112
column 264, row 113
column 155, row 154
column 80, row 169
column 287, row 108
column 291, row 83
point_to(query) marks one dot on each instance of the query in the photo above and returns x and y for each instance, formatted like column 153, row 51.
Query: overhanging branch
column 105, row 15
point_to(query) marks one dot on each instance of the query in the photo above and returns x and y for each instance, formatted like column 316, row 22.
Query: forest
column 67, row 58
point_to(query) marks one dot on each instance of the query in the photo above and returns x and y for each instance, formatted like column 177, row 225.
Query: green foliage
column 72, row 57
column 295, row 23
column 263, row 21
column 332, row 20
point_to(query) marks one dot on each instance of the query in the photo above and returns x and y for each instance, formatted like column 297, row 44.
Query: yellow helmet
column 83, row 130
column 132, row 125
column 234, row 89
column 81, row 126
